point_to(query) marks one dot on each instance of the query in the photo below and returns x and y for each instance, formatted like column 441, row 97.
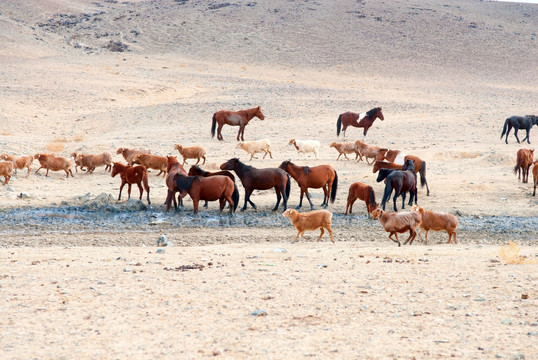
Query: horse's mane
column 409, row 165
column 184, row 182
column 306, row 170
column 199, row 170
column 372, row 112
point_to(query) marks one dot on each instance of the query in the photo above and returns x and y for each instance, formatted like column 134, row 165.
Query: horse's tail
column 504, row 128
column 334, row 187
column 518, row 165
column 386, row 194
column 214, row 125
column 146, row 183
column 235, row 197
column 338, row 125
column 423, row 174
column 288, row 187
column 371, row 196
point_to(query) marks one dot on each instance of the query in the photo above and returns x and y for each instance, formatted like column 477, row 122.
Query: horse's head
column 259, row 113
column 172, row 160
column 194, row 170
column 383, row 173
column 230, row 164
column 285, row 164
column 380, row 114
column 117, row 168
column 409, row 165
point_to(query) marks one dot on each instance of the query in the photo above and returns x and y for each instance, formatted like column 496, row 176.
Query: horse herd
column 399, row 171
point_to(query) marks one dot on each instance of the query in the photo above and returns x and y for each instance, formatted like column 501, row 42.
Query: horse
column 519, row 122
column 173, row 170
column 211, row 188
column 402, row 181
column 524, row 162
column 535, row 177
column 260, row 179
column 363, row 192
column 321, row 176
column 131, row 175
column 234, row 118
column 195, row 170
column 398, row 158
column 358, row 120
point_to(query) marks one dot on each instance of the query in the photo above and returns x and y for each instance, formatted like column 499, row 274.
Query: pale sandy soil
column 447, row 74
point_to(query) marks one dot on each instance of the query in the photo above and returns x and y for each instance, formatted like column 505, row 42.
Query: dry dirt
column 447, row 74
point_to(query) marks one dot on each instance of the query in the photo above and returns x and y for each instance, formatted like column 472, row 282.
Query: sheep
column 77, row 162
column 19, row 162
column 54, row 163
column 192, row 152
column 152, row 162
column 368, row 151
column 128, row 154
column 92, row 161
column 256, row 146
column 312, row 220
column 344, row 148
column 437, row 221
column 395, row 223
column 6, row 167
column 306, row 146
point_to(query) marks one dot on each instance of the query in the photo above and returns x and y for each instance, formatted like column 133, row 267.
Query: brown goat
column 54, row 163
column 312, row 220
column 6, row 167
column 437, row 222
column 128, row 154
column 344, row 148
column 19, row 162
column 193, row 152
column 152, row 162
column 401, row 222
column 92, row 161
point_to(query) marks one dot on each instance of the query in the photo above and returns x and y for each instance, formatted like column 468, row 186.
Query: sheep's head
column 136, row 157
column 333, row 144
column 77, row 157
column 120, row 151
column 290, row 213
column 239, row 145
column 376, row 213
column 3, row 156
column 292, row 142
column 178, row 147
column 37, row 156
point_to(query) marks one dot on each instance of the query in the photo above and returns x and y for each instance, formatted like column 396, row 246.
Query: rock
column 163, row 241
column 280, row 250
column 259, row 313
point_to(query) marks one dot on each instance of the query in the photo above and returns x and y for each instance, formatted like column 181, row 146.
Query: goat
column 256, row 146
column 306, row 146
column 437, row 221
column 54, row 163
column 19, row 162
column 312, row 220
column 152, row 162
column 192, row 152
column 395, row 223
column 128, row 154
column 6, row 167
column 368, row 151
column 344, row 148
column 91, row 161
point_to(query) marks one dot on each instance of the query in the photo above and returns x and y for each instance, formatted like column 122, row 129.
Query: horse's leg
column 206, row 204
column 365, row 130
column 222, row 202
column 241, row 127
column 396, row 194
column 527, row 137
column 121, row 188
column 219, row 131
column 350, row 203
column 247, row 199
column 412, row 235
column 326, row 193
column 516, row 128
column 129, row 190
column 404, row 195
column 278, row 197
column 195, row 201
column 396, row 241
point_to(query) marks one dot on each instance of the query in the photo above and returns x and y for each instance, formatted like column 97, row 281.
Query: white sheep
column 312, row 220
column 256, row 146
column 306, row 146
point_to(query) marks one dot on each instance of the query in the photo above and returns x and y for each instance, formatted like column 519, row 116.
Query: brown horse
column 234, row 118
column 260, row 179
column 195, row 170
column 212, row 188
column 401, row 181
column 535, row 177
column 358, row 120
column 173, row 169
column 363, row 192
column 524, row 162
column 398, row 158
column 321, row 176
column 131, row 175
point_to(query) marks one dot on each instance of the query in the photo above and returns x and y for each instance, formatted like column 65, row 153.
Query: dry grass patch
column 510, row 254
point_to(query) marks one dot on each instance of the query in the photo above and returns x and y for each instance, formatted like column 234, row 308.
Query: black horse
column 519, row 122
column 401, row 181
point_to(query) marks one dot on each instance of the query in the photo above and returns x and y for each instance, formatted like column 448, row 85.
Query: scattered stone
column 280, row 250
column 259, row 313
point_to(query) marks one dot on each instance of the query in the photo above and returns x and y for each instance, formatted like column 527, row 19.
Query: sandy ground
column 447, row 74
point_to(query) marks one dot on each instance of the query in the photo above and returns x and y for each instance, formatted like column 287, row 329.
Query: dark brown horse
column 212, row 188
column 398, row 158
column 363, row 192
column 234, row 118
column 321, row 176
column 131, row 175
column 401, row 181
column 519, row 122
column 260, row 179
column 524, row 162
column 358, row 120
column 173, row 170
column 195, row 170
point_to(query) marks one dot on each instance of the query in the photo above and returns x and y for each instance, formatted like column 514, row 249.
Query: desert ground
column 81, row 274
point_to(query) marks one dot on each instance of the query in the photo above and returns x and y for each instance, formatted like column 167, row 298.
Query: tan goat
column 437, row 221
column 401, row 222
column 368, row 151
column 345, row 148
column 256, row 146
column 6, row 167
column 152, row 162
column 312, row 220
column 192, row 152
column 92, row 161
column 19, row 162
column 54, row 163
column 128, row 154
